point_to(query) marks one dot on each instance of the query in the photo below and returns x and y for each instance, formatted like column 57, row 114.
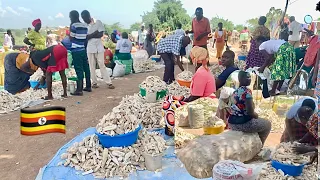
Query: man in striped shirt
column 78, row 35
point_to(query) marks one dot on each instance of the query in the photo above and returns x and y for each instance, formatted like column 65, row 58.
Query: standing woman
column 34, row 38
column 220, row 39
column 281, row 58
column 255, row 58
column 50, row 60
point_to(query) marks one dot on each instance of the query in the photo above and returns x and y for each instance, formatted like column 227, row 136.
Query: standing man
column 169, row 50
column 294, row 32
column 78, row 33
column 200, row 29
column 95, row 49
column 142, row 34
column 8, row 39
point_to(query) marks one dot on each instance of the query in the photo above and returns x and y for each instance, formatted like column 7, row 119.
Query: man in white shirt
column 294, row 32
column 142, row 33
column 95, row 49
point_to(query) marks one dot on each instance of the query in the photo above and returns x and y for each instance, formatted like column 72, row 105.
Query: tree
column 228, row 25
column 116, row 26
column 135, row 27
column 166, row 14
column 239, row 27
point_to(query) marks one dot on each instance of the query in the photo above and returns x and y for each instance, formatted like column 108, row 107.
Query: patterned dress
column 284, row 65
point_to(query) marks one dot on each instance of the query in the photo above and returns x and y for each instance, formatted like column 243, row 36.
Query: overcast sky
column 20, row 13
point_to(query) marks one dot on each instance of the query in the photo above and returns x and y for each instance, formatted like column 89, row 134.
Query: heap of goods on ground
column 284, row 153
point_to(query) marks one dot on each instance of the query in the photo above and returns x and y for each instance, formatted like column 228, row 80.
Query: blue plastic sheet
column 172, row 168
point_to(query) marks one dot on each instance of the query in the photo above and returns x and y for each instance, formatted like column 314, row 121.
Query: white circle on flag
column 42, row 120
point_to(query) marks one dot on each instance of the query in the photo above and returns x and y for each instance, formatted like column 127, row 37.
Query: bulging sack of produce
column 196, row 116
column 119, row 70
column 140, row 55
column 235, row 170
column 98, row 72
column 181, row 116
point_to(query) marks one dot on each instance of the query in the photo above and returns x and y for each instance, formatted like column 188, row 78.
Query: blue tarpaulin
column 172, row 168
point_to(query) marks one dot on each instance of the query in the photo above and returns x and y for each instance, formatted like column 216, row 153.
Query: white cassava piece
column 153, row 143
column 284, row 154
column 37, row 75
column 185, row 76
column 201, row 154
column 153, row 84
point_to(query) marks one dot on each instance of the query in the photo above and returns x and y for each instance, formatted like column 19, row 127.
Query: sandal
column 47, row 98
column 111, row 86
column 95, row 86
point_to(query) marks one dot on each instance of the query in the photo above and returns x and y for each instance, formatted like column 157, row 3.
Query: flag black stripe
column 51, row 108
column 36, row 124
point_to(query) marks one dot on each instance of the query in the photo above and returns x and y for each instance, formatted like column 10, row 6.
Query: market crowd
column 276, row 58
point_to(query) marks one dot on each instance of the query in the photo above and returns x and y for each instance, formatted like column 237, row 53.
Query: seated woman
column 312, row 126
column 50, row 60
column 16, row 77
column 280, row 55
column 297, row 119
column 243, row 117
column 123, row 48
column 228, row 62
column 202, row 85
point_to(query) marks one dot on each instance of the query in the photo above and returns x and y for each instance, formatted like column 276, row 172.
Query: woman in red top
column 50, row 60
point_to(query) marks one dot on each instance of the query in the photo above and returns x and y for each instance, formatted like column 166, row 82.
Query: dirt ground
column 21, row 157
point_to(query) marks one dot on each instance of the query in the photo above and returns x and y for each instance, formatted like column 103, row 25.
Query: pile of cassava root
column 284, row 153
column 185, row 76
column 153, row 84
column 9, row 102
column 90, row 157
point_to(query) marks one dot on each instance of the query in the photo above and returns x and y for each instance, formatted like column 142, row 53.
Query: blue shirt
column 225, row 75
column 66, row 43
column 78, row 32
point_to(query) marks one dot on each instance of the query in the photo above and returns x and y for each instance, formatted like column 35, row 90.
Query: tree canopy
column 227, row 24
column 166, row 14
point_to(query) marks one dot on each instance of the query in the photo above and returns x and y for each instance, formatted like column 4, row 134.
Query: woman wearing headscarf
column 50, row 60
column 255, row 58
column 202, row 85
column 280, row 56
column 16, row 76
column 34, row 38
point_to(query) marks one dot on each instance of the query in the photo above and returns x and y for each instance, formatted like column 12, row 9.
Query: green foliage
column 239, row 27
column 118, row 26
column 112, row 46
column 135, row 27
column 227, row 24
column 166, row 14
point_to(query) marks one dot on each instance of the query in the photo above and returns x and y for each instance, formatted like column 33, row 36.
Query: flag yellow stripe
column 41, row 128
column 43, row 114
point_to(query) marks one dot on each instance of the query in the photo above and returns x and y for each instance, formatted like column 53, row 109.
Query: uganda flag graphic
column 43, row 120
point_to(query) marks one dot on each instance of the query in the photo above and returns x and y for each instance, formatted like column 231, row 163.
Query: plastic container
column 152, row 163
column 160, row 94
column 290, row 170
column 33, row 84
column 156, row 58
column 122, row 140
column 213, row 130
column 184, row 83
column 242, row 58
column 72, row 87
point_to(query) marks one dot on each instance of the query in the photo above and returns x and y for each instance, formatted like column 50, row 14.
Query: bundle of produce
column 185, row 76
column 149, row 114
column 153, row 84
column 153, row 143
column 118, row 122
column 181, row 138
column 37, row 75
column 142, row 66
column 176, row 90
column 216, row 69
column 277, row 122
column 284, row 153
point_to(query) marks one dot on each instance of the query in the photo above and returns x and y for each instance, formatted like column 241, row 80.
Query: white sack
column 119, row 70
